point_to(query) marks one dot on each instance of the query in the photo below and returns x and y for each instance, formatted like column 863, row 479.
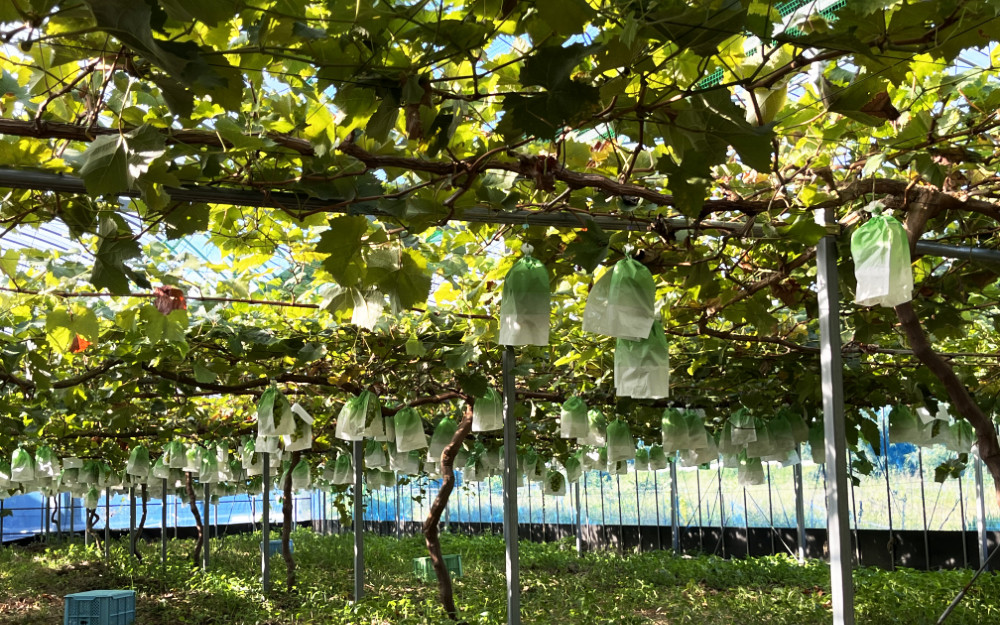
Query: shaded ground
column 557, row 586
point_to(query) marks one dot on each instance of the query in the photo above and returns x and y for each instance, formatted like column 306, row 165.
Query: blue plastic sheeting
column 28, row 518
column 904, row 497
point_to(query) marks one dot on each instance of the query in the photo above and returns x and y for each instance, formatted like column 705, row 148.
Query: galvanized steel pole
column 163, row 522
column 831, row 373
column 207, row 525
column 579, row 519
column 107, row 520
column 359, row 511
column 265, row 525
column 131, row 520
column 675, row 508
column 800, row 506
column 510, row 530
column 984, row 546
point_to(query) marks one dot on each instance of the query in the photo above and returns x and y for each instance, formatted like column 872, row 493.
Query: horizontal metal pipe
column 59, row 183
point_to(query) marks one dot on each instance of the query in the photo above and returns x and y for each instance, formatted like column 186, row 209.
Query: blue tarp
column 28, row 517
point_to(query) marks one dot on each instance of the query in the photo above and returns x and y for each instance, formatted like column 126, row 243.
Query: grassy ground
column 557, row 586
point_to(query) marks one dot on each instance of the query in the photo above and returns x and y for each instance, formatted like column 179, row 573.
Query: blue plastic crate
column 100, row 607
column 274, row 546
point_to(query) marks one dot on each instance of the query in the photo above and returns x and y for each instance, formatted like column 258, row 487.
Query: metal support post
column 984, row 546
column 510, row 532
column 265, row 525
column 47, row 513
column 359, row 511
column 675, row 508
column 399, row 526
column 207, row 525
column 656, row 503
column 838, row 520
column 923, row 509
column 131, row 520
column 800, row 506
column 163, row 522
column 1, row 523
column 72, row 517
column 107, row 520
column 579, row 519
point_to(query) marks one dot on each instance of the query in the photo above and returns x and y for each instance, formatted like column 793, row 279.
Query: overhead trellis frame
column 832, row 387
column 56, row 183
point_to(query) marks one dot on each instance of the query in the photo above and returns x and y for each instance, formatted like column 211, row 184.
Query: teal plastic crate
column 100, row 607
column 274, row 546
column 424, row 569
